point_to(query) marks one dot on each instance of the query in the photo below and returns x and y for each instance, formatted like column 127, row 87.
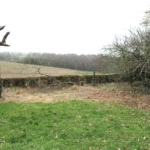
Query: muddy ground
column 104, row 92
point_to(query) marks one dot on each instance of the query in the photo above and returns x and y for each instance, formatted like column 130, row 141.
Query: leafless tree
column 132, row 52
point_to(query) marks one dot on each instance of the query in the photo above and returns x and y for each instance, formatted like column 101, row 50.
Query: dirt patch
column 104, row 92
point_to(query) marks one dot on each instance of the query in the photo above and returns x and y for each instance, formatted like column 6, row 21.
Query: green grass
column 74, row 125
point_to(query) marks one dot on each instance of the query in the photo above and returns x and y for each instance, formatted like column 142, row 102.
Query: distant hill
column 69, row 61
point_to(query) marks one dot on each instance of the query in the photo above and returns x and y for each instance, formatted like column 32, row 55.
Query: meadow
column 82, row 125
column 109, row 116
column 19, row 70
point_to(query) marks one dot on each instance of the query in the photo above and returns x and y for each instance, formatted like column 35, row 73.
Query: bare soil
column 111, row 93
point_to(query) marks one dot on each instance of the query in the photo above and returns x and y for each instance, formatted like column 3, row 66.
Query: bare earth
column 104, row 92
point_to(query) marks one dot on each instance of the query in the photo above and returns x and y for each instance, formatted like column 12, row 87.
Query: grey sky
column 67, row 26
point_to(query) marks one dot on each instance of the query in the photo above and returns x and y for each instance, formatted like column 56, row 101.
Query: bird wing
column 3, row 44
column 2, row 27
column 4, row 38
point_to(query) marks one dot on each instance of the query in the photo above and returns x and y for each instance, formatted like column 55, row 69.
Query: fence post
column 94, row 78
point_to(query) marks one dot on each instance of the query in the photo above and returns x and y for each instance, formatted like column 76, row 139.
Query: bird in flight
column 3, row 42
column 2, row 27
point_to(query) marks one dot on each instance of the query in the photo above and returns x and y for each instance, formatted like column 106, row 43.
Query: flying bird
column 3, row 42
column 2, row 27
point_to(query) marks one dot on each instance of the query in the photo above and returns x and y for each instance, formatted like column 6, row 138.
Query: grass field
column 73, row 125
column 18, row 70
column 106, row 117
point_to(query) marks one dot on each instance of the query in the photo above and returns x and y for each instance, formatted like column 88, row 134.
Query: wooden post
column 94, row 78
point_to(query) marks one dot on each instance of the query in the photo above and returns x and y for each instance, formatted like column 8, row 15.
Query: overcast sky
column 67, row 26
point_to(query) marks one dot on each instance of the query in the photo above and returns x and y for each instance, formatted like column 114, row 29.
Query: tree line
column 70, row 61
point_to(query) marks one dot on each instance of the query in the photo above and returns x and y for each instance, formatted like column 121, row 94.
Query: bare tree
column 146, row 20
column 132, row 53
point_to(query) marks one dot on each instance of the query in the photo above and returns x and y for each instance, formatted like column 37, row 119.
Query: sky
column 67, row 26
